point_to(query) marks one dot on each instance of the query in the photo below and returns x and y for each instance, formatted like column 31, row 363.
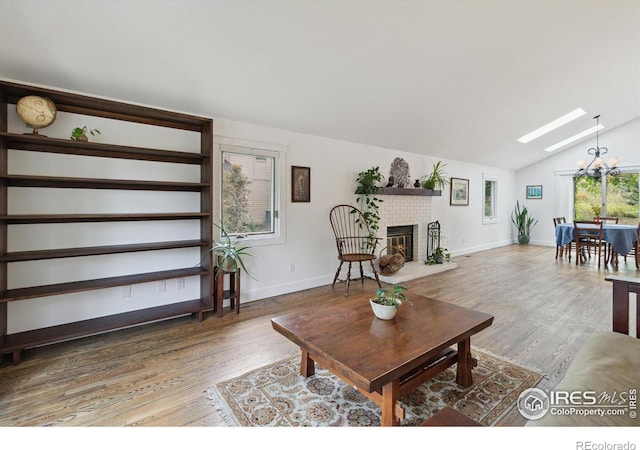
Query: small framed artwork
column 300, row 184
column 534, row 191
column 459, row 192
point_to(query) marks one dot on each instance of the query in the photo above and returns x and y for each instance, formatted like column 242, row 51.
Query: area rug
column 277, row 395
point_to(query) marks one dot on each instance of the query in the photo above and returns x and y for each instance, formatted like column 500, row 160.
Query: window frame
column 256, row 148
column 486, row 220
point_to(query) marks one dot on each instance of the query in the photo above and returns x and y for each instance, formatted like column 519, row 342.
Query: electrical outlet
column 126, row 291
column 292, row 267
column 180, row 283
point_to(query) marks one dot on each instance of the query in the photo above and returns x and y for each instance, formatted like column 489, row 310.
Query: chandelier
column 597, row 168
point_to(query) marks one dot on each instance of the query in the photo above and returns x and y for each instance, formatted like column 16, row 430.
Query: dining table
column 621, row 237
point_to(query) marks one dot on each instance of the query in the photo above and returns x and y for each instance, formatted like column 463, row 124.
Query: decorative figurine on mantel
column 391, row 182
column 400, row 172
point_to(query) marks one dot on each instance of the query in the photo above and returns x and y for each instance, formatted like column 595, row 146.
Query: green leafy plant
column 437, row 178
column 77, row 132
column 439, row 256
column 367, row 188
column 391, row 297
column 229, row 253
column 523, row 222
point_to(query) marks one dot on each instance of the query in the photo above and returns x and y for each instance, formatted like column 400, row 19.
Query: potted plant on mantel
column 386, row 302
column 228, row 253
column 368, row 186
column 523, row 222
column 436, row 179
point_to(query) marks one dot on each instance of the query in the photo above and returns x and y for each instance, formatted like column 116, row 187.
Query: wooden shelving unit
column 10, row 93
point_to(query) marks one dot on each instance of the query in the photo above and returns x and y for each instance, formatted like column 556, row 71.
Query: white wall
column 623, row 142
column 309, row 241
column 334, row 167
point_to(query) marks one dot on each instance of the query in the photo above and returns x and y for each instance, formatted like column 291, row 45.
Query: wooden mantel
column 409, row 191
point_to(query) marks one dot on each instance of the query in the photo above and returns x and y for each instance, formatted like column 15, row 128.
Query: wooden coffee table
column 385, row 359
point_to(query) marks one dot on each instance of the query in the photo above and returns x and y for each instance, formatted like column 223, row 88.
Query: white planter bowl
column 383, row 312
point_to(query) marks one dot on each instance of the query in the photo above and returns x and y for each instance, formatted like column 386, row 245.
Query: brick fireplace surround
column 399, row 210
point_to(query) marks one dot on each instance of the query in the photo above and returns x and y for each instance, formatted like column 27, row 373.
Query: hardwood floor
column 156, row 375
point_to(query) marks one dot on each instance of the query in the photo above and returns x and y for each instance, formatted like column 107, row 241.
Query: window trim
column 494, row 179
column 279, row 152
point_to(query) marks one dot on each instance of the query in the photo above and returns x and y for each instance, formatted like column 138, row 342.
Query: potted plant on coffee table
column 386, row 302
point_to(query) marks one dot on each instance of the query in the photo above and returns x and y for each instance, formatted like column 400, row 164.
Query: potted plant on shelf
column 386, row 302
column 436, row 179
column 523, row 222
column 228, row 253
column 368, row 186
column 80, row 134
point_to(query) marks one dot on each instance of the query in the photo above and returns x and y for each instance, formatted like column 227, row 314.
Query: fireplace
column 400, row 240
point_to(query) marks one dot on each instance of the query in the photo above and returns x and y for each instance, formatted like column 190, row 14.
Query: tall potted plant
column 523, row 222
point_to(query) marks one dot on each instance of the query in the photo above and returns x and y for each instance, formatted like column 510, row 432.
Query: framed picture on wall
column 459, row 192
column 534, row 191
column 300, row 184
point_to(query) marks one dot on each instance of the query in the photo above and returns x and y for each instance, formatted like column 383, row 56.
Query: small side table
column 233, row 294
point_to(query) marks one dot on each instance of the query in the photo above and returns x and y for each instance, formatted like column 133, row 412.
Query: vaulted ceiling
column 451, row 79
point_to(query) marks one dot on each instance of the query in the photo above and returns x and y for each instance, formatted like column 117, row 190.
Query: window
column 489, row 214
column 611, row 197
column 251, row 194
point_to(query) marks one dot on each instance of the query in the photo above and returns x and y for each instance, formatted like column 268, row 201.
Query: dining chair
column 354, row 241
column 636, row 247
column 568, row 247
column 635, row 250
column 587, row 237
column 607, row 219
column 613, row 255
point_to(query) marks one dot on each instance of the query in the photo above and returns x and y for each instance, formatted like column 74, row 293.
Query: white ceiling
column 451, row 79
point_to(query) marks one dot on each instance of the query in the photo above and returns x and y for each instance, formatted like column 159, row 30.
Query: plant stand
column 233, row 293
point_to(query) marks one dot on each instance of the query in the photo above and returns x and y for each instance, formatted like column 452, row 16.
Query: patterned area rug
column 278, row 396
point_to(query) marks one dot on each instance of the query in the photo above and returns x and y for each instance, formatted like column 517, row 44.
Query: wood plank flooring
column 157, row 374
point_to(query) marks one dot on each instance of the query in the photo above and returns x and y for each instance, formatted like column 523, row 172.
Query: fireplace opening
column 400, row 240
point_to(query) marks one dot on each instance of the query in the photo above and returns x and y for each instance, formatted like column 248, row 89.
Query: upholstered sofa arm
column 607, row 362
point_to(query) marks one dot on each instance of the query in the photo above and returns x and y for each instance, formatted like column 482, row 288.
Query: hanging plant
column 366, row 190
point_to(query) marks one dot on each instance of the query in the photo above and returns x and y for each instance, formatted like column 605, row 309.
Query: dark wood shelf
column 97, row 183
column 10, row 94
column 35, row 255
column 414, row 191
column 11, row 295
column 18, row 341
column 98, row 107
column 38, row 143
column 75, row 218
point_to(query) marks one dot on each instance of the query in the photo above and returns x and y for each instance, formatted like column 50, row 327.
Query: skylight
column 574, row 138
column 552, row 125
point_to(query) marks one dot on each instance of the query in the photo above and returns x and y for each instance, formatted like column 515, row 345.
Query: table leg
column 466, row 362
column 307, row 365
column 389, row 397
column 237, row 292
